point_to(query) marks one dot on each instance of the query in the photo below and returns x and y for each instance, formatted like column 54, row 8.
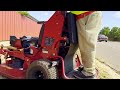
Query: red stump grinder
column 41, row 57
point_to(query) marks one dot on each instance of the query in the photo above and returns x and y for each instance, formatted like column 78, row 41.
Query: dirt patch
column 5, row 43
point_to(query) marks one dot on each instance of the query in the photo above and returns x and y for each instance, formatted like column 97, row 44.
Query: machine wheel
column 0, row 61
column 41, row 69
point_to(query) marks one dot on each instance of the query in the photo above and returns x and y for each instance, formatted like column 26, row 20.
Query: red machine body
column 49, row 43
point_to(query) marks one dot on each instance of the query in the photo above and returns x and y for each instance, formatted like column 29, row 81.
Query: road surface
column 109, row 53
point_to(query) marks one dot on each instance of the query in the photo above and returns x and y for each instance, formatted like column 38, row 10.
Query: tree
column 118, row 34
column 25, row 13
column 105, row 31
column 115, row 34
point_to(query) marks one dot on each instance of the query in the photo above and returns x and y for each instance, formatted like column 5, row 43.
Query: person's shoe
column 80, row 68
column 70, row 74
column 80, row 75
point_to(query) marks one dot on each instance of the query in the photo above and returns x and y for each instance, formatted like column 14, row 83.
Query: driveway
column 109, row 53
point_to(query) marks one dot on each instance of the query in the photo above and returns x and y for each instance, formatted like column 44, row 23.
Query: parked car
column 102, row 37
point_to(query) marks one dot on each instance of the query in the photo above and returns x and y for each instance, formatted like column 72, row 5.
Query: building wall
column 13, row 23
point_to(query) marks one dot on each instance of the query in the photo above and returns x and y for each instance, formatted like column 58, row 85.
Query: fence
column 13, row 23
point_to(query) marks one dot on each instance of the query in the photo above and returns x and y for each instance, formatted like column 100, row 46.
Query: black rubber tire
column 0, row 61
column 44, row 67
